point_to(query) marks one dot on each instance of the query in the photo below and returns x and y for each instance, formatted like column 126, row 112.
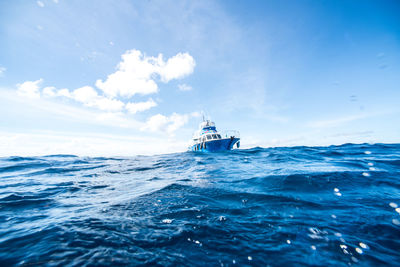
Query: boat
column 208, row 139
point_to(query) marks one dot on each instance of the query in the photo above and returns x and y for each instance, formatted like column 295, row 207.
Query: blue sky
column 132, row 77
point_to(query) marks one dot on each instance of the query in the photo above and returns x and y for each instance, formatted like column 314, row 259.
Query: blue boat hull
column 215, row 145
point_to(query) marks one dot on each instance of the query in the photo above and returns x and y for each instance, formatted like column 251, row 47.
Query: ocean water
column 320, row 206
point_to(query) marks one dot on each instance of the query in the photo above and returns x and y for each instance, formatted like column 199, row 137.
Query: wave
column 312, row 206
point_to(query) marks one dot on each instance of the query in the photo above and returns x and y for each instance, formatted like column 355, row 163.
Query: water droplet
column 288, row 241
column 313, row 247
column 396, row 222
column 368, row 152
column 366, row 174
column 188, row 239
column 338, row 194
column 197, row 242
column 167, row 221
column 370, row 164
column 333, row 216
column 222, row 218
column 336, row 189
column 393, row 205
column 233, row 261
column 250, row 258
column 363, row 245
column 372, row 169
column 359, row 250
column 354, row 259
column 342, row 246
column 338, row 234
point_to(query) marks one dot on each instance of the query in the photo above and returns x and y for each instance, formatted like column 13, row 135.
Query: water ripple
column 302, row 206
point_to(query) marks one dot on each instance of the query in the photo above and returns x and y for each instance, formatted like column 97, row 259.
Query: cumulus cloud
column 136, row 73
column 140, row 106
column 29, row 89
column 176, row 67
column 86, row 95
column 49, row 91
column 161, row 123
column 89, row 97
column 64, row 92
column 184, row 87
column 156, row 123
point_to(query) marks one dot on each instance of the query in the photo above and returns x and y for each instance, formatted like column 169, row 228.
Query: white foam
column 363, row 245
column 368, row 152
column 393, row 205
column 366, row 174
column 359, row 250
column 313, row 247
column 370, row 164
column 250, row 258
column 167, row 221
column 288, row 241
column 336, row 189
column 397, row 210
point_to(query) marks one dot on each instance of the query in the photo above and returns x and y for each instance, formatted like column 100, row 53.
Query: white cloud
column 2, row 70
column 29, row 89
column 161, row 123
column 140, row 106
column 136, row 73
column 64, row 92
column 40, row 3
column 156, row 123
column 55, row 1
column 85, row 94
column 176, row 122
column 89, row 97
column 177, row 67
column 49, row 91
column 184, row 87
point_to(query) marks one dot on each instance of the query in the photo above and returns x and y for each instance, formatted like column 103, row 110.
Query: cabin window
column 209, row 137
column 214, row 136
column 219, row 136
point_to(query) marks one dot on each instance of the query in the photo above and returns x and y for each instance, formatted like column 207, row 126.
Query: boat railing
column 229, row 133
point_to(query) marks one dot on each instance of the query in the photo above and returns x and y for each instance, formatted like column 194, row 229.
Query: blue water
column 263, row 206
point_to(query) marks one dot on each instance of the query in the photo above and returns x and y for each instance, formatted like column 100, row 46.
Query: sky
column 121, row 78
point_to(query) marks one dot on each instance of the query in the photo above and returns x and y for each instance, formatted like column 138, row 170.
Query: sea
column 285, row 206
